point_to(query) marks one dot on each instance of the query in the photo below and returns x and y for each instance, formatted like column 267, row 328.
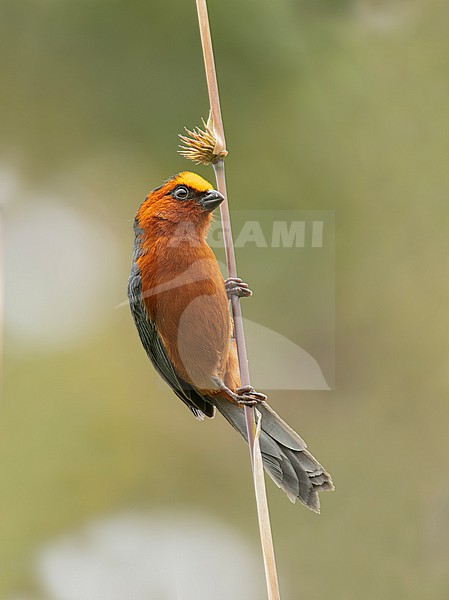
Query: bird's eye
column 181, row 192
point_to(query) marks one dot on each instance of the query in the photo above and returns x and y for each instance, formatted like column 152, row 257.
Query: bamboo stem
column 239, row 334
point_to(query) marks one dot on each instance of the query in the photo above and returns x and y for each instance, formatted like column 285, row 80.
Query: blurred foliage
column 328, row 106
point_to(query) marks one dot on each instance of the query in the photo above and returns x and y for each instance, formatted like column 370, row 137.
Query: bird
column 180, row 305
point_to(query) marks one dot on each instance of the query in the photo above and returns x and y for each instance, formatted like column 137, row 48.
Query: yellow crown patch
column 193, row 181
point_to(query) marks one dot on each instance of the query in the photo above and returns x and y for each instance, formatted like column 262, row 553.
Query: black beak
column 210, row 200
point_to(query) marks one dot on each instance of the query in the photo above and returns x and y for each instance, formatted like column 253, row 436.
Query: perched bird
column 180, row 305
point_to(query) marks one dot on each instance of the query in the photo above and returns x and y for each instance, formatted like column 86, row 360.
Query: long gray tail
column 284, row 454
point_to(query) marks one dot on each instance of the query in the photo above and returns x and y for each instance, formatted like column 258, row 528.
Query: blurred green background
column 329, row 105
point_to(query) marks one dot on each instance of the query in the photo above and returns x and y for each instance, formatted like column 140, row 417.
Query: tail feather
column 284, row 454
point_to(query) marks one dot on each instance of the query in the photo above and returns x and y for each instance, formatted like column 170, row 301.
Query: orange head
column 184, row 198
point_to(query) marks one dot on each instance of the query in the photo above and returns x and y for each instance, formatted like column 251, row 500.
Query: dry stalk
column 208, row 146
column 2, row 297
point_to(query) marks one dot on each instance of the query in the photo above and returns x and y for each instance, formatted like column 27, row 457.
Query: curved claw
column 247, row 396
column 243, row 396
column 236, row 287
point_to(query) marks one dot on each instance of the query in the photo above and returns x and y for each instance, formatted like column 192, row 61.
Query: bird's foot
column 243, row 396
column 236, row 287
column 247, row 396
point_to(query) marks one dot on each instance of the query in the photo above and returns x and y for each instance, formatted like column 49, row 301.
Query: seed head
column 200, row 145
